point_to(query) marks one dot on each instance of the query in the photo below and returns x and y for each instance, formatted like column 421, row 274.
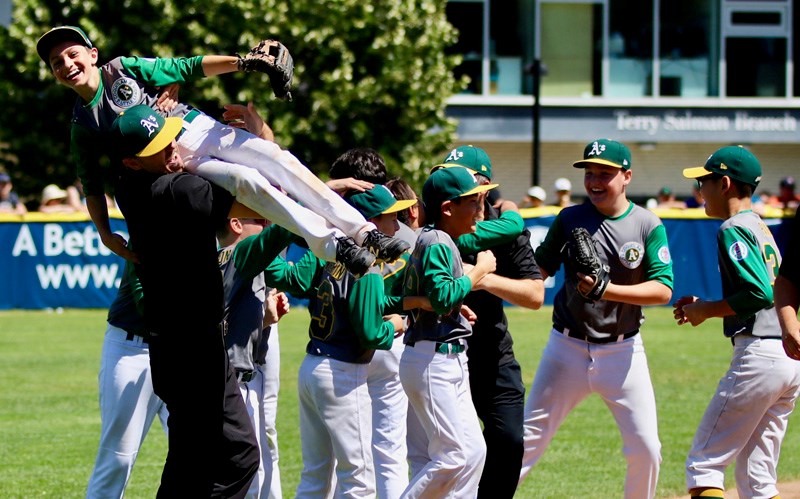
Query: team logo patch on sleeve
column 738, row 251
column 125, row 92
column 663, row 254
column 631, row 254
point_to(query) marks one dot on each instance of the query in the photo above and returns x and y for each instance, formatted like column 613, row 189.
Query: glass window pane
column 684, row 48
column 630, row 48
column 570, row 38
column 756, row 67
column 467, row 17
column 511, row 38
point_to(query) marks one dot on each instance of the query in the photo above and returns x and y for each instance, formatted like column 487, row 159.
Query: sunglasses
column 702, row 180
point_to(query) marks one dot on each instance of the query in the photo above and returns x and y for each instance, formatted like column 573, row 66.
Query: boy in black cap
column 595, row 345
column 746, row 419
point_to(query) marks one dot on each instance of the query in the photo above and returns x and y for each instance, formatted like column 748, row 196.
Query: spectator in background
column 9, row 201
column 666, row 199
column 696, row 199
column 563, row 190
column 786, row 198
column 57, row 200
column 534, row 198
column 413, row 217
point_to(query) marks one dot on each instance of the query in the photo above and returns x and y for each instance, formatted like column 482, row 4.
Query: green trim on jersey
column 367, row 320
column 657, row 269
column 755, row 282
column 164, row 71
column 490, row 233
column 548, row 254
column 443, row 290
column 393, row 277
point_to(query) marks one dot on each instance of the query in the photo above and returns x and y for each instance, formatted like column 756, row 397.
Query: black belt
column 589, row 339
column 130, row 337
column 445, row 347
column 245, row 376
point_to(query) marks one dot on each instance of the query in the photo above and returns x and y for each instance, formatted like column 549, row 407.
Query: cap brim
column 696, row 172
column 400, row 205
column 582, row 163
column 238, row 210
column 58, row 35
column 479, row 189
column 172, row 127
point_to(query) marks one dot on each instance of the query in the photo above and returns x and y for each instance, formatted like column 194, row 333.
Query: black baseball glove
column 273, row 58
column 582, row 254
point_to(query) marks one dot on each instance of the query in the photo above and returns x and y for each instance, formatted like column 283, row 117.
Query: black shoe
column 357, row 260
column 385, row 248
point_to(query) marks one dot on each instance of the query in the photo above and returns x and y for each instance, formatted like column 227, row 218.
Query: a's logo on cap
column 125, row 92
column 454, row 155
column 150, row 123
column 597, row 149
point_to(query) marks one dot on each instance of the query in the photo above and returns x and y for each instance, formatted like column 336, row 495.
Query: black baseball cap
column 58, row 35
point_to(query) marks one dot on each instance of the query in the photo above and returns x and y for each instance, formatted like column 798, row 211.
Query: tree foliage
column 368, row 74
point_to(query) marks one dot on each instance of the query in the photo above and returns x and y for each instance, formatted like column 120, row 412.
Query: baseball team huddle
column 409, row 386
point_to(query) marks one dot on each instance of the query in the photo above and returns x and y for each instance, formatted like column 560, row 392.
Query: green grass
column 49, row 419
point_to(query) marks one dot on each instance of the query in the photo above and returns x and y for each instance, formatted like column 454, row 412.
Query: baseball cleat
column 357, row 260
column 385, row 248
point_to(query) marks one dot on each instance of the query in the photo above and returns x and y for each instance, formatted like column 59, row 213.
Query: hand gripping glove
column 273, row 58
column 582, row 253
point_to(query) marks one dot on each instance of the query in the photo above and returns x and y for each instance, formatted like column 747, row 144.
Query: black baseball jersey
column 790, row 268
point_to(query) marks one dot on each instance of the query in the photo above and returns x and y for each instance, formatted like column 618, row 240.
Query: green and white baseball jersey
column 749, row 261
column 634, row 246
column 124, row 82
column 435, row 270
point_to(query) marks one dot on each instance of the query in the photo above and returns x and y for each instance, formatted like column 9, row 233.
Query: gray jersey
column 634, row 246
column 435, row 270
column 748, row 262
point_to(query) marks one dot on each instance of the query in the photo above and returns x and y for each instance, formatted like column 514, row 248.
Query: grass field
column 49, row 419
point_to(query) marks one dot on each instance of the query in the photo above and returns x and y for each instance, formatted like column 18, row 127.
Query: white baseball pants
column 335, row 429
column 272, row 384
column 128, row 407
column 437, row 386
column 389, row 409
column 746, row 420
column 253, row 396
column 572, row 369
column 255, row 170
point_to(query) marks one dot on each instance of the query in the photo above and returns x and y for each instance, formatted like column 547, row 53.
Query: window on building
column 467, row 18
column 685, row 27
column 630, row 48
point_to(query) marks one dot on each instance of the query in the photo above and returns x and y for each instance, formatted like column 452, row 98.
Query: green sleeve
column 130, row 274
column 253, row 254
column 754, row 285
column 393, row 286
column 296, row 278
column 490, row 233
column 86, row 156
column 548, row 254
column 164, row 71
column 365, row 305
column 657, row 257
column 443, row 290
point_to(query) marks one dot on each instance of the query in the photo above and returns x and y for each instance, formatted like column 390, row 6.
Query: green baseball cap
column 449, row 183
column 735, row 162
column 377, row 201
column 605, row 152
column 141, row 132
column 58, row 35
column 470, row 157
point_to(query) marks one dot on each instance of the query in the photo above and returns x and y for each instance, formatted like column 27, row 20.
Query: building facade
column 672, row 79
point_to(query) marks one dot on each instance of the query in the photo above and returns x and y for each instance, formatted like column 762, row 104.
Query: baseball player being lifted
column 746, row 418
column 228, row 156
column 595, row 345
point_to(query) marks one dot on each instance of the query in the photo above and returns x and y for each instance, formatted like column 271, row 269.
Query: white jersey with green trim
column 749, row 260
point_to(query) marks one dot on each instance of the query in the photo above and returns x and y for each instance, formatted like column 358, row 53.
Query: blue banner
column 50, row 261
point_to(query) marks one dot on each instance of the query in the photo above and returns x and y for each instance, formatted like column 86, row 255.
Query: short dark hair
column 401, row 190
column 361, row 164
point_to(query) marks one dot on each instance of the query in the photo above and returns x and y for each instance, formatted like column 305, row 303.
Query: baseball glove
column 582, row 254
column 273, row 58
